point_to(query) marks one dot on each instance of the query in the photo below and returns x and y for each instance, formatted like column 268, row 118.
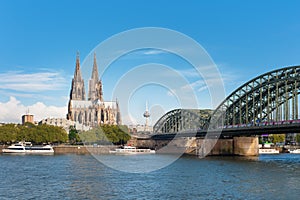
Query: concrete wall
column 245, row 146
column 222, row 147
column 242, row 146
column 83, row 149
column 70, row 149
column 65, row 149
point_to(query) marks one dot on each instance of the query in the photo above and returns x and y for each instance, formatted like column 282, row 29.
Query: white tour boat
column 21, row 148
column 132, row 150
column 15, row 148
column 47, row 149
column 296, row 151
column 268, row 151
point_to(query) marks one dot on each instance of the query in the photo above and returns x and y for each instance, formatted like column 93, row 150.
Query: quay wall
column 70, row 149
column 83, row 149
column 78, row 149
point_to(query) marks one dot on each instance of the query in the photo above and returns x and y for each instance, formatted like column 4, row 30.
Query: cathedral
column 93, row 111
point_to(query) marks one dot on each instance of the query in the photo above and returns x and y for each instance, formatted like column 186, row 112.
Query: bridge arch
column 270, row 97
column 181, row 120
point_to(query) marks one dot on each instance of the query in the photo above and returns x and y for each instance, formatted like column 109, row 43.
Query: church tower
column 94, row 111
column 77, row 90
column 119, row 120
column 95, row 85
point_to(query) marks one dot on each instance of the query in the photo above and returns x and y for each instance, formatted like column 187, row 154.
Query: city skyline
column 40, row 41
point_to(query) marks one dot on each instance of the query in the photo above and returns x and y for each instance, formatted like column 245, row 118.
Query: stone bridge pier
column 238, row 146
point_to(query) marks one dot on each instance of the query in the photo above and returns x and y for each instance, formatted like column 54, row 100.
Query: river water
column 84, row 177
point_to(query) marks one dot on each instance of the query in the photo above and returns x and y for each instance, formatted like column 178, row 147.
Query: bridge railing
column 273, row 123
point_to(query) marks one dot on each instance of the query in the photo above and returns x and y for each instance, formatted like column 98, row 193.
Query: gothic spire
column 77, row 89
column 95, row 70
column 77, row 74
column 95, row 85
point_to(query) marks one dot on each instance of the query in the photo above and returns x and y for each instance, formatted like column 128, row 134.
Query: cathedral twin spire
column 88, row 111
column 95, row 85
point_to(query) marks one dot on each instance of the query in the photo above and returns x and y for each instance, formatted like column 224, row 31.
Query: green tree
column 8, row 133
column 73, row 135
column 298, row 138
column 89, row 137
column 106, row 134
column 276, row 138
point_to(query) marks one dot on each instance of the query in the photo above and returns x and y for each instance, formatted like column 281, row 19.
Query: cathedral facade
column 92, row 111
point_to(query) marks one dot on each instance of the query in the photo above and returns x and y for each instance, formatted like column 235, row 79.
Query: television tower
column 146, row 115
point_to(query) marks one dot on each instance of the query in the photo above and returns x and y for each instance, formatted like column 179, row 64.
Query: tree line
column 104, row 134
column 10, row 133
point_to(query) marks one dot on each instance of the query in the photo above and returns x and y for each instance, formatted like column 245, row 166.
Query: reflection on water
column 137, row 163
column 83, row 177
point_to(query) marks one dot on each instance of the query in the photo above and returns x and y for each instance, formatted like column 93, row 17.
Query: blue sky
column 39, row 41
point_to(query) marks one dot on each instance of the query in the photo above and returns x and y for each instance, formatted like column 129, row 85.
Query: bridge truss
column 269, row 98
column 181, row 120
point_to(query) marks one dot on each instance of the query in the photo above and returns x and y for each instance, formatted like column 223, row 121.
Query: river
column 73, row 176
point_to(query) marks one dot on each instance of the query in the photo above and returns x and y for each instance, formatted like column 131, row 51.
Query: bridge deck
column 235, row 132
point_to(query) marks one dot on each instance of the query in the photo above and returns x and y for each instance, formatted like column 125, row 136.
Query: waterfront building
column 92, row 111
column 140, row 128
column 27, row 118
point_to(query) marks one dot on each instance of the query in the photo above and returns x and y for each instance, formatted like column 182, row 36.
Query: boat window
column 39, row 148
column 15, row 148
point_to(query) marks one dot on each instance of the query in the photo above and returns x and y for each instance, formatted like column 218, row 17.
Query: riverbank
column 79, row 149
column 99, row 149
column 104, row 149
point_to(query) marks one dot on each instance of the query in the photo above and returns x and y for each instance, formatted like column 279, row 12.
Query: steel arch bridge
column 267, row 99
column 182, row 120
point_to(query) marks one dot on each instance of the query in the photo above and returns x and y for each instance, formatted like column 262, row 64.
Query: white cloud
column 153, row 52
column 193, row 73
column 140, row 52
column 31, row 82
column 171, row 93
column 12, row 111
column 202, row 88
column 196, row 86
